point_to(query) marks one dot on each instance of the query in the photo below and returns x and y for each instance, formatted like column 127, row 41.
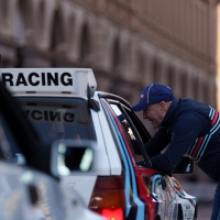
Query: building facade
column 129, row 44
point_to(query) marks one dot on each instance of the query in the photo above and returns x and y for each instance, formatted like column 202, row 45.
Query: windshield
column 56, row 118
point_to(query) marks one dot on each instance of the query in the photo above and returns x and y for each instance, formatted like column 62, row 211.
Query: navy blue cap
column 121, row 117
column 152, row 94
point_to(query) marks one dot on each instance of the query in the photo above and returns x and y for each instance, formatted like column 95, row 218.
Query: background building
column 129, row 44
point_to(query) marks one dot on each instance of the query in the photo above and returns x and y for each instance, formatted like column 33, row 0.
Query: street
column 204, row 212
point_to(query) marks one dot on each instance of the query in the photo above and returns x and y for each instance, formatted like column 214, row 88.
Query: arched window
column 23, row 28
column 27, row 14
column 141, row 63
column 41, row 17
column 195, row 88
column 205, row 90
column 57, row 33
column 23, row 24
column 170, row 77
column 71, row 25
column 115, row 54
column 85, row 47
column 184, row 84
column 156, row 71
column 4, row 7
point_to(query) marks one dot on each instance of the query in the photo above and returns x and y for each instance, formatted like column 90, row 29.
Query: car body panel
column 28, row 194
column 81, row 183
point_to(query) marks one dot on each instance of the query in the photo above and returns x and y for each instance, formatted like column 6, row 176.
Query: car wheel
column 180, row 212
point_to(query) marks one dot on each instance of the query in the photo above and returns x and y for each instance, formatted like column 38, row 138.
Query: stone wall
column 128, row 43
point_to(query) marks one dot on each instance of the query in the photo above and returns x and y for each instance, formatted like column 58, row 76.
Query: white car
column 62, row 103
column 29, row 187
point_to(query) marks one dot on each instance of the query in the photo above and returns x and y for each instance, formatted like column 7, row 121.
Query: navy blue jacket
column 187, row 120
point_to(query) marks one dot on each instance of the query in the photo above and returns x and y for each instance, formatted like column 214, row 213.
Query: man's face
column 155, row 113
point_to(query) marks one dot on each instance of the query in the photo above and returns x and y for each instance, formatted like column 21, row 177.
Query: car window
column 9, row 149
column 133, row 129
column 59, row 118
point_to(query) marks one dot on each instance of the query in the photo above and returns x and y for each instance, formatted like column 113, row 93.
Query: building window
column 71, row 25
column 156, row 71
column 115, row 54
column 195, row 85
column 141, row 64
column 184, row 84
column 205, row 93
column 41, row 17
column 57, row 34
column 4, row 9
column 85, row 47
column 170, row 77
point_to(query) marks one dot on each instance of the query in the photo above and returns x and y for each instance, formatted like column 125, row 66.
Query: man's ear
column 163, row 106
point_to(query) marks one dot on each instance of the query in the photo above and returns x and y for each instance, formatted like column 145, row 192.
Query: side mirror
column 185, row 165
column 70, row 156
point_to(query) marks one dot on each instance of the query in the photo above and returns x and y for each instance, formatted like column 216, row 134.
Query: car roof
column 108, row 95
column 77, row 81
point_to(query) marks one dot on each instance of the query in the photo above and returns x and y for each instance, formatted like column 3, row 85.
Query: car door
column 24, row 192
column 154, row 187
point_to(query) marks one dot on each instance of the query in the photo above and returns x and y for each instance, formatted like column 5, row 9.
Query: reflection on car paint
column 168, row 200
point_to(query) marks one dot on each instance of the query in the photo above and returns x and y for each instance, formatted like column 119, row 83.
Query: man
column 188, row 126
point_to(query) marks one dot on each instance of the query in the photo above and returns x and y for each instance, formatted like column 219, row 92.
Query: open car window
column 134, row 130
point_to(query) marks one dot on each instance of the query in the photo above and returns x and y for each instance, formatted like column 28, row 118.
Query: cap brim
column 139, row 107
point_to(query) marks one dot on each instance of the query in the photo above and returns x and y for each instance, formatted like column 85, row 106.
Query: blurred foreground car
column 29, row 190
column 63, row 103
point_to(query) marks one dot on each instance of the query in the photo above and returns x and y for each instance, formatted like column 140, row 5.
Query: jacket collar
column 169, row 117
